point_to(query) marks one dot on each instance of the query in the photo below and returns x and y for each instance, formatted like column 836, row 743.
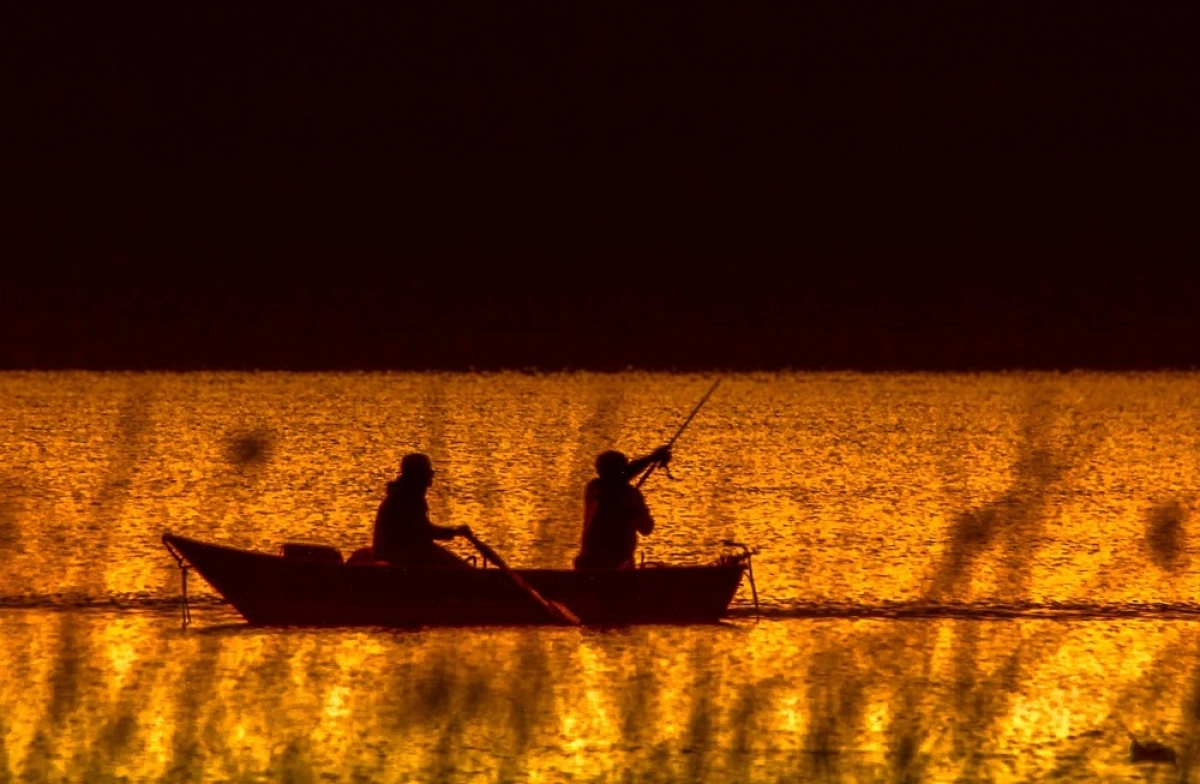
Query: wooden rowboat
column 315, row 586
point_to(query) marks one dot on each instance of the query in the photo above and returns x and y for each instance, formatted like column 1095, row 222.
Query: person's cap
column 416, row 463
column 611, row 463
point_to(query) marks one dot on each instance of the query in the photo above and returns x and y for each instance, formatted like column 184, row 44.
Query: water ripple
column 977, row 611
column 70, row 601
column 738, row 610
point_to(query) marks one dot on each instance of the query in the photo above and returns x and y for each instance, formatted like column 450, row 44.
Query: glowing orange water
column 963, row 577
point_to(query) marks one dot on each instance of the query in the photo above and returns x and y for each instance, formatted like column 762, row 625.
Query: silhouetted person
column 403, row 532
column 615, row 511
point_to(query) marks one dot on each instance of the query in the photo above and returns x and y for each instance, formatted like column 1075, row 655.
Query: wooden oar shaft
column 556, row 609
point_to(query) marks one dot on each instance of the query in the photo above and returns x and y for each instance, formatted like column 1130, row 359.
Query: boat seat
column 312, row 552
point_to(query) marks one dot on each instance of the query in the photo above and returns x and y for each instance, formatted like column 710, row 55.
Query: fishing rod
column 679, row 432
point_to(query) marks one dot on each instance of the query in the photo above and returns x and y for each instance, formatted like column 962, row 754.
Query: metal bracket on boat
column 183, row 571
column 749, row 570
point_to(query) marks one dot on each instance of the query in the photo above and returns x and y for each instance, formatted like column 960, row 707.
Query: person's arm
column 643, row 521
column 445, row 532
column 661, row 455
column 591, row 501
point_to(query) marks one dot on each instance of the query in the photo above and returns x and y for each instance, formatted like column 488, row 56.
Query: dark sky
column 852, row 185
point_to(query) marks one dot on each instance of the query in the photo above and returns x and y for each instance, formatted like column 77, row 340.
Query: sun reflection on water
column 1041, row 521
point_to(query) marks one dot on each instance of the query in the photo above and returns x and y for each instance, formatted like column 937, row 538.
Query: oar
column 556, row 609
column 671, row 443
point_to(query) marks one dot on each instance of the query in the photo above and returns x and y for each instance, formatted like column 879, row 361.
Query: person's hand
column 662, row 455
column 463, row 530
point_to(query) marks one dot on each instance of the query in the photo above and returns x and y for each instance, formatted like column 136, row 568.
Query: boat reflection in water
column 962, row 578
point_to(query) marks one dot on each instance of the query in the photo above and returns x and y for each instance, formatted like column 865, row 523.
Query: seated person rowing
column 403, row 534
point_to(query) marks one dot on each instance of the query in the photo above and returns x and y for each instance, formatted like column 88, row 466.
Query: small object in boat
column 1147, row 751
column 1150, row 751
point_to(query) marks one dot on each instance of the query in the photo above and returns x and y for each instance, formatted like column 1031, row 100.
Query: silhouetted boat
column 313, row 586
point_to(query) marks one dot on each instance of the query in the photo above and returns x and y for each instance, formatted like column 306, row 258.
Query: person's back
column 616, row 514
column 403, row 533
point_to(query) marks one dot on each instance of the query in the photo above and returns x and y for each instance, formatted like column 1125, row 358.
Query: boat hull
column 274, row 590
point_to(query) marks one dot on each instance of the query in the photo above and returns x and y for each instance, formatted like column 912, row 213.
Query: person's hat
column 416, row 463
column 611, row 463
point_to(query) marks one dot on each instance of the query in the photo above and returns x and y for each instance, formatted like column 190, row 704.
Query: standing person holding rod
column 615, row 511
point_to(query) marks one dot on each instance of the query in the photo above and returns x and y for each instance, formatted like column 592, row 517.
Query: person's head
column 611, row 464
column 417, row 467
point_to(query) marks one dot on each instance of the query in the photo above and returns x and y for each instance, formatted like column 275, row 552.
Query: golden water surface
column 960, row 578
